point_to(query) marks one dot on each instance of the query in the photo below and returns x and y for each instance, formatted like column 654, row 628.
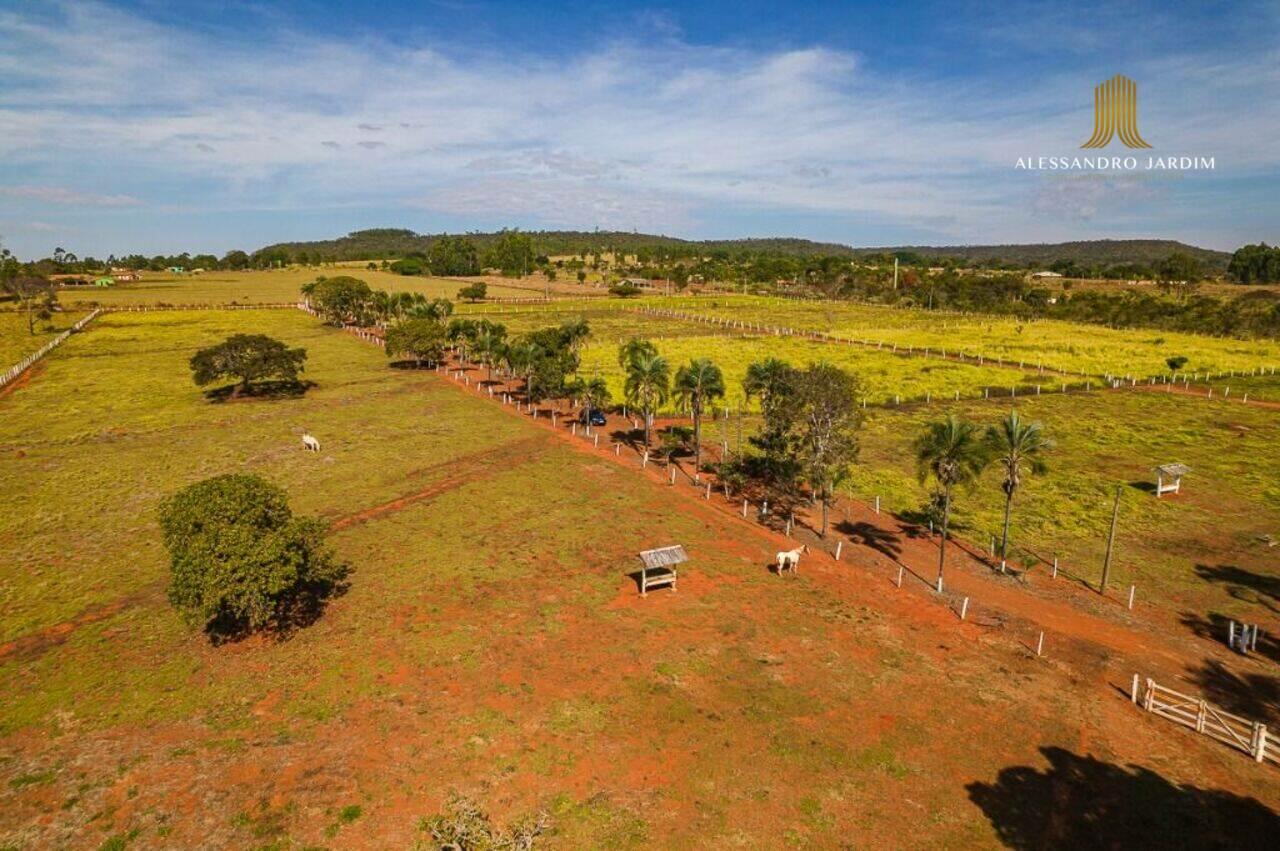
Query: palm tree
column 522, row 357
column 647, row 385
column 952, row 451
column 1013, row 443
column 697, row 384
column 595, row 395
column 490, row 344
column 764, row 378
column 633, row 349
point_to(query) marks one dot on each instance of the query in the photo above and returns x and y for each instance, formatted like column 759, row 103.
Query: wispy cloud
column 62, row 195
column 662, row 135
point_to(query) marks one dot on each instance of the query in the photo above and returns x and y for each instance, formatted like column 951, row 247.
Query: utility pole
column 895, row 272
column 1111, row 538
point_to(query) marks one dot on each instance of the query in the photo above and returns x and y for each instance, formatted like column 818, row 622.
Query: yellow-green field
column 16, row 341
column 258, row 287
column 1090, row 349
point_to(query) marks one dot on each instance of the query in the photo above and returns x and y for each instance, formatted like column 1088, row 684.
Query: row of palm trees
column 648, row 385
column 955, row 452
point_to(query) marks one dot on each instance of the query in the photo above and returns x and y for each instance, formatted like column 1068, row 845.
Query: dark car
column 591, row 416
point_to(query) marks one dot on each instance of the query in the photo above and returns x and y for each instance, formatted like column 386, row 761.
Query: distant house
column 177, row 270
column 1046, row 274
column 199, row 271
column 123, row 274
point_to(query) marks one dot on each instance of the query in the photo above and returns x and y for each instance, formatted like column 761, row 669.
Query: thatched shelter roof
column 664, row 557
column 1173, row 471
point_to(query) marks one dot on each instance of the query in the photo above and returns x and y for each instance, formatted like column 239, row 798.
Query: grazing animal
column 790, row 559
column 309, row 442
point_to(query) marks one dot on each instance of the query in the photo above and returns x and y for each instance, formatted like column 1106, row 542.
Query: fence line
column 26, row 363
column 1203, row 717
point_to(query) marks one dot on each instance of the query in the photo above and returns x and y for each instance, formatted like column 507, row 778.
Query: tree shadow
column 259, row 390
column 1244, row 584
column 412, row 365
column 296, row 610
column 1079, row 802
column 1256, row 696
column 869, row 535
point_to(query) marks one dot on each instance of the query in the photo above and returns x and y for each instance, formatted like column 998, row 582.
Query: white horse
column 310, row 443
column 790, row 559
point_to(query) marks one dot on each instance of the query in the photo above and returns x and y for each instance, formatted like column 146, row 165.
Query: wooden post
column 744, row 508
column 1040, row 644
column 839, row 547
column 1259, row 741
column 1131, row 590
column 899, row 576
column 673, row 474
column 1133, row 691
column 964, row 608
column 877, row 505
column 597, row 441
column 1111, row 537
column 1054, row 575
column 1231, row 634
column 1201, row 714
column 788, row 527
column 617, row 449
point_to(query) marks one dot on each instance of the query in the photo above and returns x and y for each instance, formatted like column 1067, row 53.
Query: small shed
column 659, row 567
column 1169, row 478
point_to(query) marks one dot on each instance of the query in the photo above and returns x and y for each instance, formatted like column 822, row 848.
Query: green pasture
column 16, row 342
column 1228, row 507
column 1077, row 348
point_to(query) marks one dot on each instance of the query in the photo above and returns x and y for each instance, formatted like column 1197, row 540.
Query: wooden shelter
column 1169, row 478
column 659, row 567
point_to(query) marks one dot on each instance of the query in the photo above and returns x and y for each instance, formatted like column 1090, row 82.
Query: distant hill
column 380, row 243
column 1103, row 252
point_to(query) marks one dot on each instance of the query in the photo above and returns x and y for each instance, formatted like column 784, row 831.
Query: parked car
column 592, row 416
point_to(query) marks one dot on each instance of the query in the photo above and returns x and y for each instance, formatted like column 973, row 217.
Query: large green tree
column 238, row 557
column 247, row 358
column 827, row 422
column 423, row 340
column 341, row 300
column 453, row 255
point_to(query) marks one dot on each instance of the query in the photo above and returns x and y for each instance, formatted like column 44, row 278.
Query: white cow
column 310, row 443
column 790, row 559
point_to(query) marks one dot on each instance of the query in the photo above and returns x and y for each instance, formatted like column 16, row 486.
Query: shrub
column 240, row 560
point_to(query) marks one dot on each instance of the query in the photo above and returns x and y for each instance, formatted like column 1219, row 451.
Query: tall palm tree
column 697, row 384
column 647, row 385
column 952, row 451
column 1014, row 443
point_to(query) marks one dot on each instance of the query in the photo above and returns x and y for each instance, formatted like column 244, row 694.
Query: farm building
column 1046, row 274
column 177, row 270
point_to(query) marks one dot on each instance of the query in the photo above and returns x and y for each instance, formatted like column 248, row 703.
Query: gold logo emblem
column 1115, row 113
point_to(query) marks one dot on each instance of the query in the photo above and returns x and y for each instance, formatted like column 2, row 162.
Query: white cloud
column 62, row 195
column 622, row 135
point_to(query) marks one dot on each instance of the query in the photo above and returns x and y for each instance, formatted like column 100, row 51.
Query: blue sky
column 164, row 125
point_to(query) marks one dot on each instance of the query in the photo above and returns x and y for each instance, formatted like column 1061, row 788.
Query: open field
column 16, row 342
column 1090, row 349
column 491, row 641
column 1191, row 554
column 885, row 375
column 257, row 287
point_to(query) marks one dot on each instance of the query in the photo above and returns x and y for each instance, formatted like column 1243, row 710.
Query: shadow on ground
column 1079, row 802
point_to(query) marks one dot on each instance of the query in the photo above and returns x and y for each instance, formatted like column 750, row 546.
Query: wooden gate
column 1212, row 721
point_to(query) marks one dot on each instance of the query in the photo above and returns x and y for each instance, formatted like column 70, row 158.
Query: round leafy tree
column 240, row 561
column 247, row 358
